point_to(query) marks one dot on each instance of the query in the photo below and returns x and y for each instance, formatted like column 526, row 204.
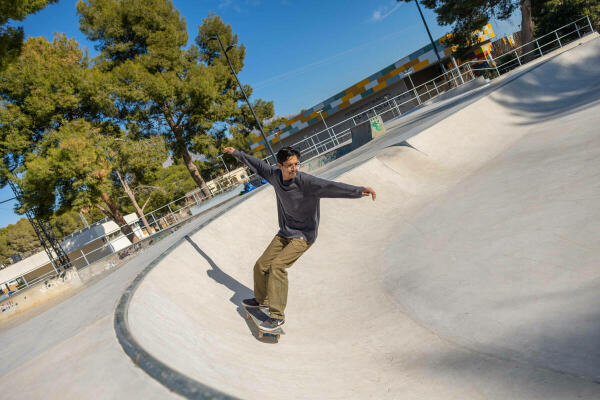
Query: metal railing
column 328, row 139
column 538, row 47
column 162, row 218
column 339, row 134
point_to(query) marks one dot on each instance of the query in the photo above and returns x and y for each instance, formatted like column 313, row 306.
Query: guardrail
column 328, row 139
column 339, row 134
column 532, row 50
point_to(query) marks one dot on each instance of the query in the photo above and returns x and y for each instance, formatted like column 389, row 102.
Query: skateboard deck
column 258, row 315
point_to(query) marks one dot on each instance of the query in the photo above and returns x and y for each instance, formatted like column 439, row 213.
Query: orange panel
column 421, row 65
column 379, row 86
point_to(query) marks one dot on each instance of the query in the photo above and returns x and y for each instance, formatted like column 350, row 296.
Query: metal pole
column 462, row 82
column 331, row 134
column 414, row 90
column 539, row 48
column 471, row 71
column 558, row 38
column 577, row 29
column 518, row 59
column 267, row 143
column 395, row 104
column 84, row 257
column 590, row 23
column 430, row 38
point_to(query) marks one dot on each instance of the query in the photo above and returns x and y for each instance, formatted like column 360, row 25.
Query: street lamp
column 430, row 38
column 245, row 96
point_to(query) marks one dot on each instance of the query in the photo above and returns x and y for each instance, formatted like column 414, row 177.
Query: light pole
column 430, row 38
column 268, row 145
column 221, row 157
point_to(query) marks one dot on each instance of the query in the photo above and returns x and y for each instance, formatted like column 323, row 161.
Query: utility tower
column 59, row 259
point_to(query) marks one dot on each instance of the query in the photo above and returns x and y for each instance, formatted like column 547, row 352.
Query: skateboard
column 258, row 315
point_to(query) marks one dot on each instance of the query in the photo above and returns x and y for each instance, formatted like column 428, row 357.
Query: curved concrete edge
column 165, row 375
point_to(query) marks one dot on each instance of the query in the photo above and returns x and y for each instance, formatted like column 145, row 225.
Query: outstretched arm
column 329, row 189
column 259, row 166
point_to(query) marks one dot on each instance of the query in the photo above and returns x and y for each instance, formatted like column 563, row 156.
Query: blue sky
column 297, row 52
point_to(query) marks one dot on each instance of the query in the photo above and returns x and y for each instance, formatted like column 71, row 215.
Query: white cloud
column 383, row 12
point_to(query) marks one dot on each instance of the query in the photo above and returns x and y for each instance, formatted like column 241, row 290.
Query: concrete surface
column 474, row 274
column 471, row 276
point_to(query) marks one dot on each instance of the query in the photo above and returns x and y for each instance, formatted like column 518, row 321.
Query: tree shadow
column 554, row 90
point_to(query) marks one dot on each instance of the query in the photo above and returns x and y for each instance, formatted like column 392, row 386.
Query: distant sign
column 377, row 127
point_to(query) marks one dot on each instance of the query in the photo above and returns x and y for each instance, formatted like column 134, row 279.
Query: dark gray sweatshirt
column 298, row 198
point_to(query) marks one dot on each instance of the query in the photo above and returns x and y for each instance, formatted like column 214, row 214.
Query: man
column 298, row 196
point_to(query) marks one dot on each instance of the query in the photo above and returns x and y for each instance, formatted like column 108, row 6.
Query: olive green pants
column 270, row 273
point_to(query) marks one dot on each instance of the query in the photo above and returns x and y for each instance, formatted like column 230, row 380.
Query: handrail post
column 471, row 71
column 577, row 29
column 462, row 82
column 539, row 48
column 590, row 23
column 518, row 59
column 414, row 90
column 558, row 38
column 395, row 104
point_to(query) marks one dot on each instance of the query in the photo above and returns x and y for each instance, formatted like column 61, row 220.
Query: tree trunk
column 177, row 130
column 118, row 218
column 131, row 196
column 526, row 29
column 189, row 163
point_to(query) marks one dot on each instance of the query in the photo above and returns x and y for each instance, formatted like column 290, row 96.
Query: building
column 411, row 71
column 83, row 247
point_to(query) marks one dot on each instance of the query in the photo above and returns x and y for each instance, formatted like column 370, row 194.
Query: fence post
column 462, row 82
column 25, row 280
column 558, row 38
column 539, row 48
column 396, row 105
column 414, row 90
column 85, row 258
column 471, row 71
column 518, row 59
column 436, row 88
column 577, row 29
column 590, row 24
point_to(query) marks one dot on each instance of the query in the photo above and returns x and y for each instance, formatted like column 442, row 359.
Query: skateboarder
column 298, row 196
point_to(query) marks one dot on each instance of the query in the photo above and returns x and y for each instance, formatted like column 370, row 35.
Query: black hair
column 286, row 152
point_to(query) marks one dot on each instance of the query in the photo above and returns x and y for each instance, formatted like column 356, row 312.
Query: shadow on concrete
column 555, row 92
column 240, row 291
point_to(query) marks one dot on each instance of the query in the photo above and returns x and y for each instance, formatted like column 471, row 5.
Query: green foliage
column 171, row 184
column 71, row 170
column 11, row 38
column 18, row 238
column 552, row 14
column 162, row 87
column 467, row 16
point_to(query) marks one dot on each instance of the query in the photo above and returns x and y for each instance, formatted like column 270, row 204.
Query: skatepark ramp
column 474, row 275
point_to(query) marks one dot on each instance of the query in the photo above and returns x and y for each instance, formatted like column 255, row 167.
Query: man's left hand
column 369, row 191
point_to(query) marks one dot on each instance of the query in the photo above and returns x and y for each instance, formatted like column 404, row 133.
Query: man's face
column 289, row 168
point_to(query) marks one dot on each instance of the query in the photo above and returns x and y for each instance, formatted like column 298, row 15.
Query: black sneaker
column 252, row 303
column 271, row 324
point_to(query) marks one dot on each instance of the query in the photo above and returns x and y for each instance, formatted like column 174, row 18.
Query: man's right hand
column 229, row 150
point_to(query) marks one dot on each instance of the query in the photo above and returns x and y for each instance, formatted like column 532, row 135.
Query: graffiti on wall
column 8, row 306
column 322, row 160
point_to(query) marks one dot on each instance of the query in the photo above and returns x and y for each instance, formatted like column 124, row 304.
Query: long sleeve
column 263, row 169
column 323, row 188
